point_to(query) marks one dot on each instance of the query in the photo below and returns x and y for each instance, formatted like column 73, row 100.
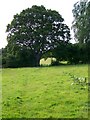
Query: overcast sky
column 8, row 8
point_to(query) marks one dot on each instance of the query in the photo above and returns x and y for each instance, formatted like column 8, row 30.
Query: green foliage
column 38, row 30
column 88, row 51
column 19, row 58
column 81, row 23
column 77, row 53
column 72, row 53
column 60, row 53
column 44, row 92
column 55, row 63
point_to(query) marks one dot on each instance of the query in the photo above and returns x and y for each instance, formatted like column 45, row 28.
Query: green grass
column 44, row 92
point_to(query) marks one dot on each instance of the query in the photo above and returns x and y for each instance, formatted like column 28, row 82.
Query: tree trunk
column 37, row 61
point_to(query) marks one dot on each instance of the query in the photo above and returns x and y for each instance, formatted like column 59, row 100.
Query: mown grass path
column 44, row 92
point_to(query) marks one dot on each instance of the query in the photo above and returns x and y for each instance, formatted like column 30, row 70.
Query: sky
column 8, row 8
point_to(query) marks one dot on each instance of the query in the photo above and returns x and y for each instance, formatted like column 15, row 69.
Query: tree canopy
column 81, row 23
column 36, row 30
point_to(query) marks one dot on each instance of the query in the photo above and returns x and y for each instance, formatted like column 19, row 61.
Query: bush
column 55, row 63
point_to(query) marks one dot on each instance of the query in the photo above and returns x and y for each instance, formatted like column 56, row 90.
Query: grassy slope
column 44, row 92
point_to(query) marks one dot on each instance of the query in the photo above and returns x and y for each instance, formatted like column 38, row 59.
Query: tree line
column 72, row 53
column 38, row 33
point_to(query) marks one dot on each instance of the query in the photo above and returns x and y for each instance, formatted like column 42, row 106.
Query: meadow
column 45, row 92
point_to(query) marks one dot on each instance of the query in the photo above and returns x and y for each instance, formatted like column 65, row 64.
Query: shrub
column 55, row 63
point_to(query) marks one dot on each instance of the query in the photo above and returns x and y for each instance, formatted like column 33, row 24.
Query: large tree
column 81, row 23
column 37, row 30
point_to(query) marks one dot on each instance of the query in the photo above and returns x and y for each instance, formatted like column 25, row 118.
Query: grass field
column 45, row 92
